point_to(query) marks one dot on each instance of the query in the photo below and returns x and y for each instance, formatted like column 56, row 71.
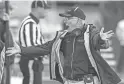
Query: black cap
column 74, row 12
column 40, row 3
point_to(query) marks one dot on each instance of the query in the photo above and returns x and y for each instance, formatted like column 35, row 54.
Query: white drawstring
column 76, row 8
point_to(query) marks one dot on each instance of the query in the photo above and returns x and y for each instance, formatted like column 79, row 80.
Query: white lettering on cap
column 75, row 8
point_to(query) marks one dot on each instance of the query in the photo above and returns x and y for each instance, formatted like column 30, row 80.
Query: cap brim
column 64, row 15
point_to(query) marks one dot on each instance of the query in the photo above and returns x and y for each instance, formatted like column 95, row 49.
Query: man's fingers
column 102, row 29
column 111, row 31
column 9, row 54
column 9, row 51
column 110, row 35
column 10, row 48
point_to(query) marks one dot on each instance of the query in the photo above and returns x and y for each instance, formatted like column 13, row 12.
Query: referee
column 30, row 35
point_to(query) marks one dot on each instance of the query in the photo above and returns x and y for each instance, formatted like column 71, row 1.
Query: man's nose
column 65, row 20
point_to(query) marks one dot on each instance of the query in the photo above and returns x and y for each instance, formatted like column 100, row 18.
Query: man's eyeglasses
column 69, row 18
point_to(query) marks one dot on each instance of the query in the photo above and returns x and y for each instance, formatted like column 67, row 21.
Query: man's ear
column 83, row 21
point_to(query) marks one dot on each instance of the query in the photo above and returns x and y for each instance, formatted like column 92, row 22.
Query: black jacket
column 107, row 75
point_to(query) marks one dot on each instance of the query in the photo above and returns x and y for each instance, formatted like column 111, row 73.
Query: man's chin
column 67, row 27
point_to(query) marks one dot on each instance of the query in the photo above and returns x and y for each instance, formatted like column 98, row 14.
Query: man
column 2, row 40
column 75, row 52
column 3, row 18
column 30, row 35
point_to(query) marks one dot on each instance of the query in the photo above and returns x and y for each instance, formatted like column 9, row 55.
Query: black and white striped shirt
column 30, row 33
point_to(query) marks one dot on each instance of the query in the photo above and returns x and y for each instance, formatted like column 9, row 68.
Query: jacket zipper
column 72, row 58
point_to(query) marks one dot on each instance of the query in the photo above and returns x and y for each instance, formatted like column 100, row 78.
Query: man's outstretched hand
column 106, row 35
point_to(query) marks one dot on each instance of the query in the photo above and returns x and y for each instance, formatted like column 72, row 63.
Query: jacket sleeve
column 36, row 51
column 98, row 43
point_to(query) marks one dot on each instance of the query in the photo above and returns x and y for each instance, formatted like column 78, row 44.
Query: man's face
column 4, row 15
column 2, row 11
column 71, row 22
column 42, row 12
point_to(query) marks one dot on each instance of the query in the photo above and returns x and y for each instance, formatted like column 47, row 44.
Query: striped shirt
column 2, row 61
column 30, row 33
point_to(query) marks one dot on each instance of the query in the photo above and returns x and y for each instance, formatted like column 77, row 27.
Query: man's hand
column 13, row 50
column 106, row 35
column 5, row 17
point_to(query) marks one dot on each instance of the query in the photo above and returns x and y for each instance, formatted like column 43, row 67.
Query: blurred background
column 107, row 14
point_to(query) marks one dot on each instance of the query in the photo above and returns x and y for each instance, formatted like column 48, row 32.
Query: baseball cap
column 74, row 12
column 40, row 3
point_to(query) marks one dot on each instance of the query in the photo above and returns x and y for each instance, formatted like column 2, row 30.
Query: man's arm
column 97, row 41
column 34, row 51
column 39, row 50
